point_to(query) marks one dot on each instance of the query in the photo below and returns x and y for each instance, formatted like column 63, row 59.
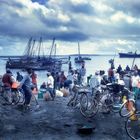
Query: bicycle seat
column 77, row 86
column 84, row 90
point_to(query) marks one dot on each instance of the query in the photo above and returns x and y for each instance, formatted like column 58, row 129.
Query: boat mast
column 52, row 47
column 134, row 60
column 54, row 50
column 79, row 50
column 32, row 49
column 27, row 49
column 39, row 46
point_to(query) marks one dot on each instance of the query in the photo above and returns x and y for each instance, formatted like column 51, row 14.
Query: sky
column 100, row 26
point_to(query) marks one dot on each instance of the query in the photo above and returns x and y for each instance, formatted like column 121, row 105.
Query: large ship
column 129, row 55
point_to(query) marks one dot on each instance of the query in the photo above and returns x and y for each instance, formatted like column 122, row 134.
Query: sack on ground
column 65, row 92
column 59, row 93
column 47, row 96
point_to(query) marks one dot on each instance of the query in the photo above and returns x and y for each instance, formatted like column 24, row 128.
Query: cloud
column 127, row 6
column 72, row 20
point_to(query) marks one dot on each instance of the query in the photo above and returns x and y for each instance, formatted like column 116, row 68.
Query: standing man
column 50, row 85
column 26, row 85
column 82, row 74
column 34, row 79
column 135, row 79
column 62, row 79
column 19, row 77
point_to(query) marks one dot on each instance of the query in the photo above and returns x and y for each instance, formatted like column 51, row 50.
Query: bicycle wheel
column 15, row 97
column 115, row 103
column 7, row 97
column 72, row 101
column 22, row 98
column 127, row 108
column 132, row 126
column 84, row 100
column 91, row 109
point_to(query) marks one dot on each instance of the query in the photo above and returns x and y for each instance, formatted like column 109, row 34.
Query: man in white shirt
column 50, row 85
column 135, row 78
column 94, row 81
column 82, row 72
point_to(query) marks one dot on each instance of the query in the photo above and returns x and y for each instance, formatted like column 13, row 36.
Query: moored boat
column 34, row 60
column 79, row 60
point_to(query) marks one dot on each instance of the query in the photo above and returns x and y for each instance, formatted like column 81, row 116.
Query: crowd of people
column 53, row 81
column 56, row 81
column 24, row 83
column 131, row 77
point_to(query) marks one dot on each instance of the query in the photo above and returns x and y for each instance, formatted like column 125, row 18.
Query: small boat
column 79, row 59
column 129, row 55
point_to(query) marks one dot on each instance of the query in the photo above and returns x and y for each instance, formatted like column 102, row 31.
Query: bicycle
column 132, row 123
column 89, row 106
column 5, row 95
column 78, row 93
column 103, row 97
column 132, row 126
column 127, row 108
column 33, row 103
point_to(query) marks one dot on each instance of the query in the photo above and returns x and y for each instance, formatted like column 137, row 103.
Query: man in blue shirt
column 26, row 85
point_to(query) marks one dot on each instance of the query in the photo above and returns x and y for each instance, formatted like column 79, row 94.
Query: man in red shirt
column 34, row 79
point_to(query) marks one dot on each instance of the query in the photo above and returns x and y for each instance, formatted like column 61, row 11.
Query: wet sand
column 54, row 120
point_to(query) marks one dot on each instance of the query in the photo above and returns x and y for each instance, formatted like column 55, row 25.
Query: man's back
column 94, row 81
column 6, row 79
column 82, row 71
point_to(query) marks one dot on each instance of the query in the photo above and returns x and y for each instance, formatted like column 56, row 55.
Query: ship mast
column 52, row 47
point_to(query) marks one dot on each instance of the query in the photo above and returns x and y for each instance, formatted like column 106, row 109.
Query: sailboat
column 79, row 59
column 34, row 60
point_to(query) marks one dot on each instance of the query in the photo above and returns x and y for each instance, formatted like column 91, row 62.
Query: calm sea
column 97, row 63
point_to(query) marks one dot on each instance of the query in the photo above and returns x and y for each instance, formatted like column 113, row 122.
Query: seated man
column 50, row 85
column 43, row 86
column 7, row 79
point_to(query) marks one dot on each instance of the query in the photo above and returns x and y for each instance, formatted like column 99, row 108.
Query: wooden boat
column 36, row 61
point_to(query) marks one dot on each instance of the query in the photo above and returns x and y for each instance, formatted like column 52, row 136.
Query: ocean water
column 97, row 63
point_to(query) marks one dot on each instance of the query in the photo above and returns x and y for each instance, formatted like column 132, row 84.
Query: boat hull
column 79, row 60
column 49, row 65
